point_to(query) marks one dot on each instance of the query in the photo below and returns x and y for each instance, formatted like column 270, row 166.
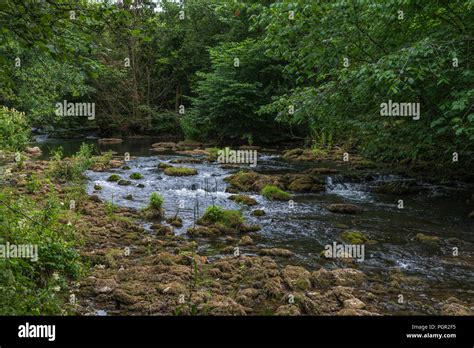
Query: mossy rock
column 202, row 231
column 153, row 214
column 423, row 238
column 187, row 160
column 243, row 199
column 250, row 228
column 353, row 237
column 113, row 178
column 175, row 221
column 123, row 182
column 275, row 193
column 292, row 154
column 340, row 225
column 258, row 212
column 164, row 165
column 126, row 168
column 399, row 188
column 97, row 187
column 246, row 240
column 249, row 181
column 216, row 215
column 306, row 184
column 162, row 230
column 276, row 252
column 242, row 181
column 343, row 208
column 141, row 185
column 180, row 171
column 136, row 176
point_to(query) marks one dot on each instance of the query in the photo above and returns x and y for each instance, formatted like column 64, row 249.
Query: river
column 307, row 226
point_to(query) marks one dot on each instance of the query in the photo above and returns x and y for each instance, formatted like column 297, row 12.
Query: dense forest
column 362, row 116
column 247, row 71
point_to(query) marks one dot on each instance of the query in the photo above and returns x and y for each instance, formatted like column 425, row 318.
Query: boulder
column 276, row 252
column 34, row 151
column 423, row 238
column 342, row 276
column 296, row 277
column 110, row 141
column 243, row 199
column 246, row 240
column 344, row 208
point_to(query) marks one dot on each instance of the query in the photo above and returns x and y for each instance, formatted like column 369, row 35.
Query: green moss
column 136, row 176
column 258, row 212
column 164, row 165
column 273, row 192
column 97, row 187
column 219, row 216
column 353, row 237
column 213, row 153
column 113, row 178
column 243, row 199
column 124, row 182
column 242, row 181
column 180, row 171
column 423, row 238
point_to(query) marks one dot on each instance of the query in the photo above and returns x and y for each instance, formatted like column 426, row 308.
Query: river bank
column 136, row 269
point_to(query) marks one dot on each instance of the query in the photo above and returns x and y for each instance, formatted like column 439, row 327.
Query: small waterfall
column 353, row 191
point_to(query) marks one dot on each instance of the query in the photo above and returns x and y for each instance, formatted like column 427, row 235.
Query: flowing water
column 308, row 226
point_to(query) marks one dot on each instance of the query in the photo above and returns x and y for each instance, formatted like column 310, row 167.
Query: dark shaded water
column 308, row 226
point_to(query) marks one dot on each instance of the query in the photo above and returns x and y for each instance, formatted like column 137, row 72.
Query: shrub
column 156, row 201
column 32, row 184
column 30, row 287
column 14, row 129
column 71, row 169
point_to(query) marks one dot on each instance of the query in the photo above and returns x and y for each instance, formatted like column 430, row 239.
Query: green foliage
column 387, row 58
column 30, row 287
column 247, row 71
column 14, row 129
column 214, row 213
column 71, row 169
column 32, row 184
column 217, row 215
column 242, row 79
column 273, row 192
column 156, row 201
